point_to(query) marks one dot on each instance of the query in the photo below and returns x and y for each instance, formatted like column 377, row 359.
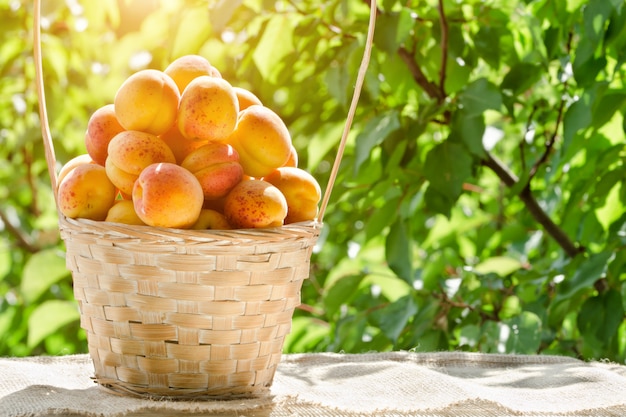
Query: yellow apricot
column 130, row 152
column 262, row 140
column 302, row 191
column 255, row 204
column 147, row 101
column 211, row 219
column 186, row 68
column 86, row 192
column 167, row 195
column 208, row 109
column 246, row 98
column 123, row 211
column 101, row 128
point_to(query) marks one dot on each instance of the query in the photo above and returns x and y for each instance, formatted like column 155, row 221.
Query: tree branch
column 418, row 75
column 437, row 92
column 572, row 249
column 444, row 51
column 22, row 239
column 559, row 119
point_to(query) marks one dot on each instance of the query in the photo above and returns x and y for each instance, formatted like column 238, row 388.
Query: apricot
column 167, row 195
column 186, row 68
column 130, row 152
column 208, row 109
column 71, row 164
column 86, row 192
column 180, row 145
column 262, row 140
column 255, row 204
column 211, row 219
column 246, row 98
column 123, row 211
column 101, row 128
column 216, row 166
column 147, row 101
column 216, row 73
column 293, row 158
column 301, row 190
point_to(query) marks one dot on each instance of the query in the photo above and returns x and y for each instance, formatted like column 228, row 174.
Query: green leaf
column 608, row 105
column 487, row 43
column 585, row 276
column 221, row 13
column 341, row 292
column 398, row 250
column 41, row 271
column 500, row 265
column 469, row 335
column 601, row 316
column 595, row 15
column 447, row 166
column 381, row 217
column 612, row 208
column 193, row 31
column 479, row 96
column 524, row 333
column 522, row 76
column 49, row 317
column 586, row 65
column 392, row 29
column 393, row 318
column 438, row 202
column 470, row 131
column 305, row 332
column 276, row 42
column 373, row 134
column 5, row 258
column 577, row 117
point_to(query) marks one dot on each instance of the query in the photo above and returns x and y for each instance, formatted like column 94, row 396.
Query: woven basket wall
column 182, row 313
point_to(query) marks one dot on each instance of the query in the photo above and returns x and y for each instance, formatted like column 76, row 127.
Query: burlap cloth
column 390, row 384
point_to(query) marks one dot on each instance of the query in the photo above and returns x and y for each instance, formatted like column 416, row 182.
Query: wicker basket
column 173, row 313
column 183, row 313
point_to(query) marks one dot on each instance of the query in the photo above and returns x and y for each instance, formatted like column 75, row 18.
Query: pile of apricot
column 183, row 148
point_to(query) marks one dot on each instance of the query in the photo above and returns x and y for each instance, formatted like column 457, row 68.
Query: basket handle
column 352, row 110
column 43, row 113
column 47, row 136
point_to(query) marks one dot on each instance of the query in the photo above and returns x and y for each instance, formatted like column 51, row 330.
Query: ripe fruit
column 183, row 148
column 246, row 98
column 180, row 145
column 255, row 204
column 167, row 195
column 293, row 158
column 123, row 211
column 211, row 219
column 216, row 166
column 262, row 141
column 101, row 128
column 147, row 101
column 86, row 192
column 208, row 109
column 185, row 68
column 71, row 164
column 130, row 152
column 301, row 190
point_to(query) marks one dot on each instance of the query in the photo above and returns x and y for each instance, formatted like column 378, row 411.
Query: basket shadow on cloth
column 186, row 313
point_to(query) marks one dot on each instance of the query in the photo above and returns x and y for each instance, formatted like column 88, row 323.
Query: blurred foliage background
column 479, row 205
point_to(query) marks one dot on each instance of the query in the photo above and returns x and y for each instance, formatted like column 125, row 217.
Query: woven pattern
column 186, row 313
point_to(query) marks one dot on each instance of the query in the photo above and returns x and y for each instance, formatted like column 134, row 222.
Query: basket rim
column 306, row 229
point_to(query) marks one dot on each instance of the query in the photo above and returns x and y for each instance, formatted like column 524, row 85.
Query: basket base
column 222, row 394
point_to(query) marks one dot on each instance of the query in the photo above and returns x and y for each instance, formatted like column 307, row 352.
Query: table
column 345, row 385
